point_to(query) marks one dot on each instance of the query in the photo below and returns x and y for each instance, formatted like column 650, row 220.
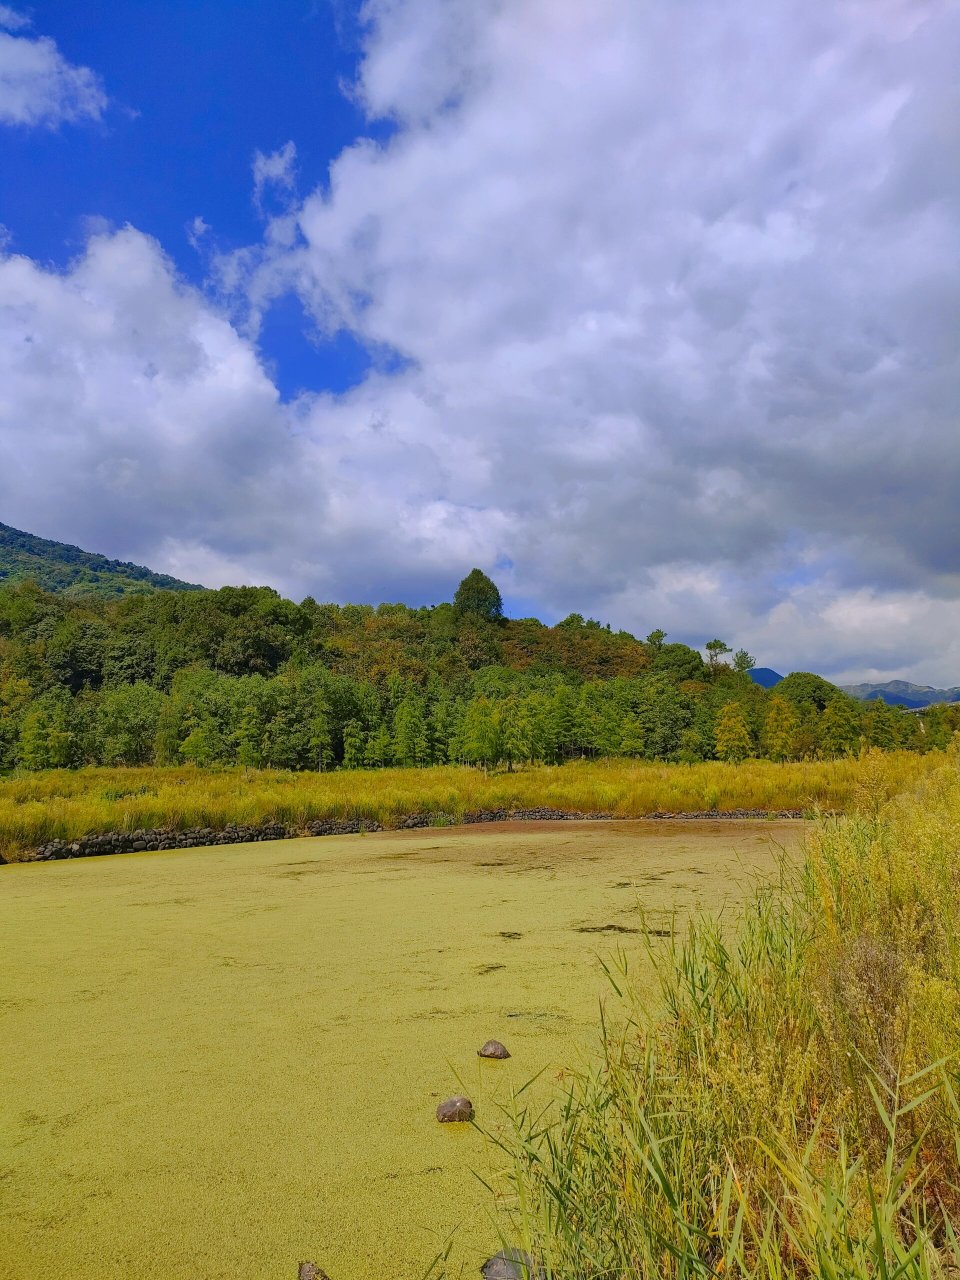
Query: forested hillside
column 57, row 566
column 241, row 675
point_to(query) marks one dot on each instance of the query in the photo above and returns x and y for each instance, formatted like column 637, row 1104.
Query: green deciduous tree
column 600, row 720
column 542, row 744
column 445, row 722
column 379, row 750
column 780, row 729
column 321, row 734
column 354, row 745
column 516, row 731
column 804, row 686
column 127, row 721
column 743, row 662
column 48, row 738
column 678, row 662
column 632, row 737
column 881, row 725
column 732, row 733
column 203, row 745
column 840, row 728
column 716, row 652
column 411, row 744
column 566, row 728
column 936, row 728
column 664, row 712
column 251, row 711
column 481, row 732
column 477, row 596
column 16, row 696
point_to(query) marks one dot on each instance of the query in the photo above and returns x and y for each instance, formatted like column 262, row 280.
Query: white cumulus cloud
column 677, row 286
column 274, row 171
column 38, row 86
column 134, row 418
column 10, row 20
column 674, row 292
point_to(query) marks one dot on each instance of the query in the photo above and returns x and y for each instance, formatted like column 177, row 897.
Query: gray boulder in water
column 511, row 1264
column 455, row 1109
column 494, row 1049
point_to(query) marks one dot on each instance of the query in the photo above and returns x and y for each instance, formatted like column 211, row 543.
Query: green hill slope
column 59, row 567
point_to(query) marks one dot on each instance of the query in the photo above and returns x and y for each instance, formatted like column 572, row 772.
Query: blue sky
column 195, row 90
column 648, row 310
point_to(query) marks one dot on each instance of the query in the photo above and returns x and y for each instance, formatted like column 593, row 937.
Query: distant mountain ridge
column 901, row 693
column 68, row 570
column 895, row 693
column 765, row 676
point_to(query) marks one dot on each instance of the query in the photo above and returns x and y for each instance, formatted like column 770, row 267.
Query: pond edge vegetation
column 792, row 1109
column 152, row 805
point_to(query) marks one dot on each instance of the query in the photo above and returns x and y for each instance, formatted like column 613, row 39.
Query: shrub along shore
column 795, row 1111
column 155, row 805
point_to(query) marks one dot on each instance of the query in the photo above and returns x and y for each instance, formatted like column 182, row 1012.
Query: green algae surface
column 218, row 1062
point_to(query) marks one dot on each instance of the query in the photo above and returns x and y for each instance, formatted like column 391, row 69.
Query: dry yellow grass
column 795, row 1112
column 219, row 1061
column 35, row 808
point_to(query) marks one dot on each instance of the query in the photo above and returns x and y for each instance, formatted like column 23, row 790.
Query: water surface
column 219, row 1061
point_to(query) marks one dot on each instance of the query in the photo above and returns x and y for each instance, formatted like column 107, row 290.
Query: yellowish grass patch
column 38, row 807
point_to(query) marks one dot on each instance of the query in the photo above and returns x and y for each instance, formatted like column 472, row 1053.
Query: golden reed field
column 37, row 807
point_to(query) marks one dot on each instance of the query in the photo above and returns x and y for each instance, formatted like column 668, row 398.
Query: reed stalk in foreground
column 793, row 1111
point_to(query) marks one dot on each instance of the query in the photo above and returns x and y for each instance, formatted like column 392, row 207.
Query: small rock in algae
column 494, row 1049
column 455, row 1109
column 511, row 1264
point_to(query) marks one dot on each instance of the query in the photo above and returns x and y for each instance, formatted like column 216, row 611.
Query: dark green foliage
column 841, row 726
column 664, row 713
column 882, row 725
column 126, row 724
column 678, row 662
column 243, row 676
column 477, row 596
column 717, row 650
column 804, row 686
column 743, row 661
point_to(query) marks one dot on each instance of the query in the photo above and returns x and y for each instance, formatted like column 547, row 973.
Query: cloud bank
column 38, row 86
column 675, row 292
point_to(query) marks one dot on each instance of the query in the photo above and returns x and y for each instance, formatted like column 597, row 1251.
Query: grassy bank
column 795, row 1113
column 67, row 804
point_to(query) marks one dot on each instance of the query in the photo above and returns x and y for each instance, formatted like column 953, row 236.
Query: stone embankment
column 93, row 846
column 96, row 845
column 711, row 815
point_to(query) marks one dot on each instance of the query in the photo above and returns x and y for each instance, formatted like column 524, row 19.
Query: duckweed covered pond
column 217, row 1062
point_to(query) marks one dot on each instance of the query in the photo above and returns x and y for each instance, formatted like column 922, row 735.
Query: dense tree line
column 243, row 676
